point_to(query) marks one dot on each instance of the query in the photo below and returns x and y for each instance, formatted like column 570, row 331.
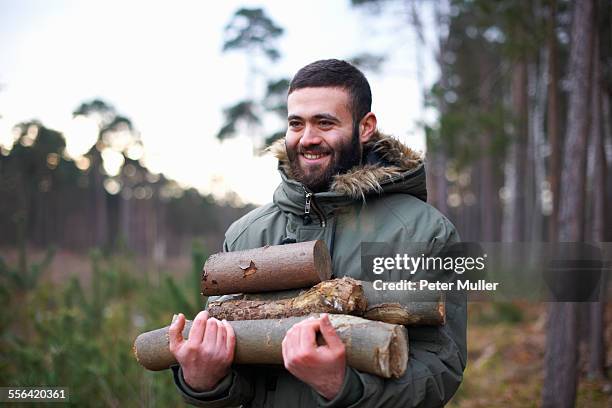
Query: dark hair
column 337, row 74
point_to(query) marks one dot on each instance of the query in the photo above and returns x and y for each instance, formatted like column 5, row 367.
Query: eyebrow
column 319, row 116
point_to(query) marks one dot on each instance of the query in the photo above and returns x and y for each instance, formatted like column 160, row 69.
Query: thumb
column 175, row 333
column 329, row 333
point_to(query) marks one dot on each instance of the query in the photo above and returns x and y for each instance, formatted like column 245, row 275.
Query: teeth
column 312, row 156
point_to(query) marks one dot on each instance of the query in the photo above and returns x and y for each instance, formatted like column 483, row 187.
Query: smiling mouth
column 312, row 156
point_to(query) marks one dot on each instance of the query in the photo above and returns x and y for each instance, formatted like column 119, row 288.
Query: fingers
column 204, row 359
column 196, row 334
column 294, row 334
column 210, row 337
column 221, row 336
column 307, row 335
column 300, row 340
column 290, row 344
column 175, row 332
column 329, row 333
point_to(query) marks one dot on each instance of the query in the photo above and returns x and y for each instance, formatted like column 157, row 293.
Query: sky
column 160, row 64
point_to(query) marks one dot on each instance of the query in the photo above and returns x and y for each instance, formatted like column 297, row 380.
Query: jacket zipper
column 310, row 203
column 307, row 219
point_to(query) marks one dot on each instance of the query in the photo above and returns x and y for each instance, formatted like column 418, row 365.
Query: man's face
column 321, row 141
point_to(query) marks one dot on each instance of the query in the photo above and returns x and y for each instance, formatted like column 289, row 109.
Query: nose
column 310, row 137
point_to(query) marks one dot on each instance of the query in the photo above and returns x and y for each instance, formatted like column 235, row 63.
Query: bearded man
column 345, row 183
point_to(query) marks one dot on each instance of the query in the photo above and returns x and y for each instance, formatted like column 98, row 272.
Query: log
column 410, row 308
column 372, row 347
column 342, row 296
column 270, row 268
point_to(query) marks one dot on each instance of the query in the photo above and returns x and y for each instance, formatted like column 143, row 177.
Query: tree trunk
column 573, row 185
column 485, row 170
column 552, row 120
column 537, row 141
column 607, row 141
column 437, row 157
column 100, row 210
column 372, row 347
column 125, row 217
column 437, row 163
column 561, row 371
column 561, row 375
column 269, row 268
column 342, row 296
column 520, row 107
column 596, row 365
column 21, row 223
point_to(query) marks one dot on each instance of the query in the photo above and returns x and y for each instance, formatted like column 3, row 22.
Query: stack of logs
column 369, row 322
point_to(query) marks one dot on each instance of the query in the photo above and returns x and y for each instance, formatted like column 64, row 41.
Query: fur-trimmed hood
column 386, row 163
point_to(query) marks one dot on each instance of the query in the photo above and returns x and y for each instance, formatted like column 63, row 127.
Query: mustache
column 314, row 150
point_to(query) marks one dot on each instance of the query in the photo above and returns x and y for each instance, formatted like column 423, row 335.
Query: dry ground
column 505, row 363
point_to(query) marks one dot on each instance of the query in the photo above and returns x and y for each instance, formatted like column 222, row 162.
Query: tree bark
column 520, row 103
column 100, row 206
column 606, row 108
column 372, row 347
column 342, row 296
column 399, row 307
column 537, row 141
column 561, row 371
column 552, row 120
column 269, row 268
column 485, row 169
column 573, row 185
column 436, row 155
column 596, row 365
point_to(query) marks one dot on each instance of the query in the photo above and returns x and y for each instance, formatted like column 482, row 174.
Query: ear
column 367, row 127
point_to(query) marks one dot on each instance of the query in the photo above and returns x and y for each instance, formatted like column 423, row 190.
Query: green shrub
column 79, row 334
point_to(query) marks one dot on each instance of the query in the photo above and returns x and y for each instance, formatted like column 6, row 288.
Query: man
column 345, row 183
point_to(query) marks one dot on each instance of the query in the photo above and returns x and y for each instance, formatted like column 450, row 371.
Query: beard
column 319, row 178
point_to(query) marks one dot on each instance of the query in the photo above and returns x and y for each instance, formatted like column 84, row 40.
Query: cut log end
column 442, row 310
column 135, row 351
column 399, row 352
column 387, row 356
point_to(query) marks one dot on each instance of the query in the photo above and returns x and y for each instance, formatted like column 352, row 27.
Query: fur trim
column 368, row 178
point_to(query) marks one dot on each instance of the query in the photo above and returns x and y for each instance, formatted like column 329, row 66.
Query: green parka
column 382, row 201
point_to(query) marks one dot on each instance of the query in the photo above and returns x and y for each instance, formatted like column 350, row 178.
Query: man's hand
column 321, row 367
column 206, row 356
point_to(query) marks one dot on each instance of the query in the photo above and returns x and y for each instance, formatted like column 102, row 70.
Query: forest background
column 97, row 247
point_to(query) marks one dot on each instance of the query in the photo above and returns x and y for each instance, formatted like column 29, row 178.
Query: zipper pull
column 307, row 218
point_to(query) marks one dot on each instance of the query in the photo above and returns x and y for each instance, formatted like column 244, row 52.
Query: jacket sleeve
column 233, row 390
column 437, row 358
